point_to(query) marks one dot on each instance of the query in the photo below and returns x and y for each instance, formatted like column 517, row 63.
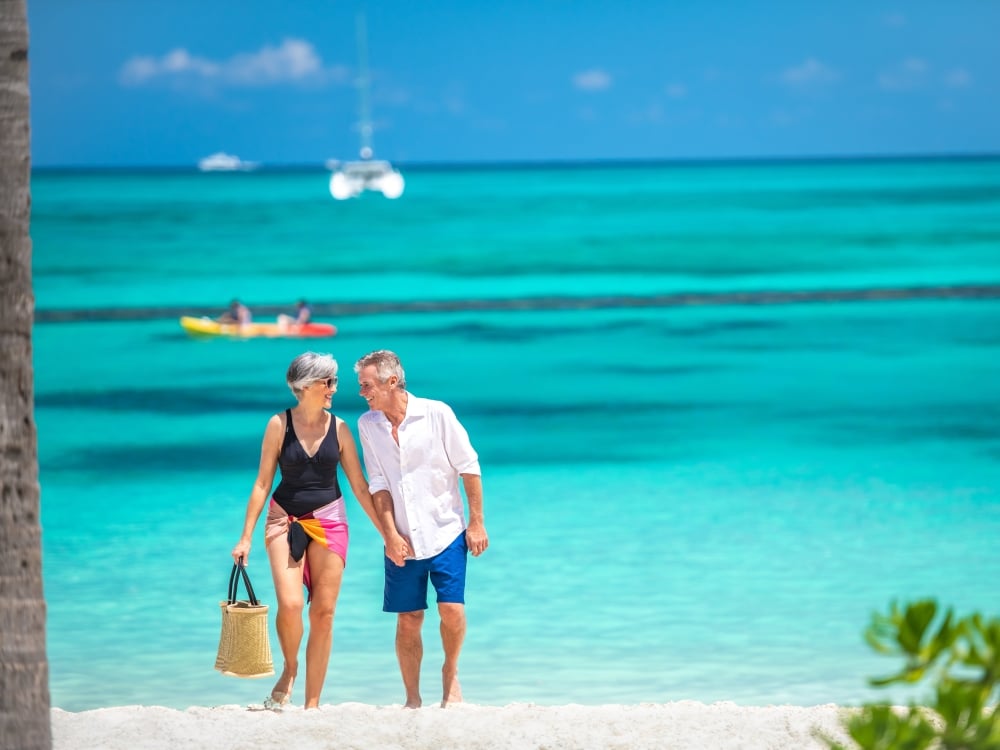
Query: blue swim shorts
column 406, row 587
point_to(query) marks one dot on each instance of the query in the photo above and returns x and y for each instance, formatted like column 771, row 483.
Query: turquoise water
column 692, row 502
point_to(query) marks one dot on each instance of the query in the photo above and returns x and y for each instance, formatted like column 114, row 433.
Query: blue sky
column 135, row 83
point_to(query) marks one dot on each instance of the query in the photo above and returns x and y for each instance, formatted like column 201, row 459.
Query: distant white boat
column 351, row 178
column 223, row 162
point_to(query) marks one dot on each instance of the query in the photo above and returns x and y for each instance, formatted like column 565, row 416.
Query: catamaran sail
column 351, row 178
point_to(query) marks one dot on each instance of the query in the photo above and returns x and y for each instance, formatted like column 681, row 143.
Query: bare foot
column 281, row 693
column 452, row 692
column 413, row 702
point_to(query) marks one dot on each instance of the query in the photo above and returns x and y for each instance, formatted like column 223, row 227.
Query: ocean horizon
column 698, row 485
column 549, row 164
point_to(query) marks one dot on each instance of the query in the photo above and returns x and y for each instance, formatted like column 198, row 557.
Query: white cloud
column 293, row 61
column 959, row 78
column 592, row 80
column 811, row 72
column 904, row 76
column 138, row 70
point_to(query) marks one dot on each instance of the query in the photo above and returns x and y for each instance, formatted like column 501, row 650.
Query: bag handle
column 234, row 582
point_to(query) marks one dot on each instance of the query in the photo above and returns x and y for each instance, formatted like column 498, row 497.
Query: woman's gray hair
column 386, row 364
column 307, row 368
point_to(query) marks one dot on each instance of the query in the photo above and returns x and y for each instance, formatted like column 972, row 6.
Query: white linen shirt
column 421, row 472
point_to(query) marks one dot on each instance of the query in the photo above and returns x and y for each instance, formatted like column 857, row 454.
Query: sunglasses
column 328, row 382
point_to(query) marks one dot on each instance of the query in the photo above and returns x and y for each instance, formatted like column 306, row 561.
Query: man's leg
column 406, row 595
column 410, row 652
column 452, row 637
column 447, row 573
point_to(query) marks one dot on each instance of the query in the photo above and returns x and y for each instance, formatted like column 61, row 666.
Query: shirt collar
column 415, row 409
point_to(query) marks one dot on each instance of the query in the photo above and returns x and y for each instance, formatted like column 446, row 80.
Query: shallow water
column 699, row 502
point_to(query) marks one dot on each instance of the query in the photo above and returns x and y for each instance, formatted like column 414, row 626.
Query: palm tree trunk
column 24, row 680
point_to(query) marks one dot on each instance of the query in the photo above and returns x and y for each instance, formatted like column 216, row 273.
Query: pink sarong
column 326, row 525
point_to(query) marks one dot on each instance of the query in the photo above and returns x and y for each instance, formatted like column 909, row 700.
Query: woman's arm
column 269, row 449
column 352, row 470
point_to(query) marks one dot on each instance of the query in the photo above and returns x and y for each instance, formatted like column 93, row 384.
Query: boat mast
column 365, row 124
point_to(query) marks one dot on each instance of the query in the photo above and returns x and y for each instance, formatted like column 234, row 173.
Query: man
column 415, row 451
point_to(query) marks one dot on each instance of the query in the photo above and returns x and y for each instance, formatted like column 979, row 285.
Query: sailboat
column 351, row 178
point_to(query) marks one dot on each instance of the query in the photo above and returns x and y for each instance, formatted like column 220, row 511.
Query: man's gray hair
column 386, row 364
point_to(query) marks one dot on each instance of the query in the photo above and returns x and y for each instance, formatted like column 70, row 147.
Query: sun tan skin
column 311, row 419
column 391, row 401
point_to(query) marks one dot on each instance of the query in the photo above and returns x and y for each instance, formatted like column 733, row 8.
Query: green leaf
column 915, row 621
column 880, row 727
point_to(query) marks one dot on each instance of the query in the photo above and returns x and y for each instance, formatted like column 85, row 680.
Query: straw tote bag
column 244, row 646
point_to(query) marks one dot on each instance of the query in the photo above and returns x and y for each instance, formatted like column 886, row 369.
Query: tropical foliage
column 958, row 659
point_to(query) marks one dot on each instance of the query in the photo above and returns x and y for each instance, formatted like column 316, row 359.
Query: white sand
column 684, row 724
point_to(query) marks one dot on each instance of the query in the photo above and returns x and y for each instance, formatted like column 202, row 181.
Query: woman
column 306, row 528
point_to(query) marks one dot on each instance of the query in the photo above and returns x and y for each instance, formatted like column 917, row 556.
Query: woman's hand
column 242, row 549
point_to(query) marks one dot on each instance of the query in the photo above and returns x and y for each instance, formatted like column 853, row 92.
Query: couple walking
column 415, row 453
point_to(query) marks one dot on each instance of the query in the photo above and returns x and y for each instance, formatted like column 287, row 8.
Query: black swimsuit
column 307, row 482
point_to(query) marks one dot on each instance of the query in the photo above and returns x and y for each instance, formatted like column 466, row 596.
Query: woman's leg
column 287, row 576
column 326, row 570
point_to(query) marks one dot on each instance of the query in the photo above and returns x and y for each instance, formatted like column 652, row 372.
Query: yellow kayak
column 211, row 327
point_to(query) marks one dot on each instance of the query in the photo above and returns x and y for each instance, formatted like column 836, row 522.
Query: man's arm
column 397, row 547
column 475, row 534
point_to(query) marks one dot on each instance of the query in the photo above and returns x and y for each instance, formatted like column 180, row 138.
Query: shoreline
column 517, row 726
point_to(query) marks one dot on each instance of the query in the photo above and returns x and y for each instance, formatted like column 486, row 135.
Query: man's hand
column 476, row 539
column 397, row 549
